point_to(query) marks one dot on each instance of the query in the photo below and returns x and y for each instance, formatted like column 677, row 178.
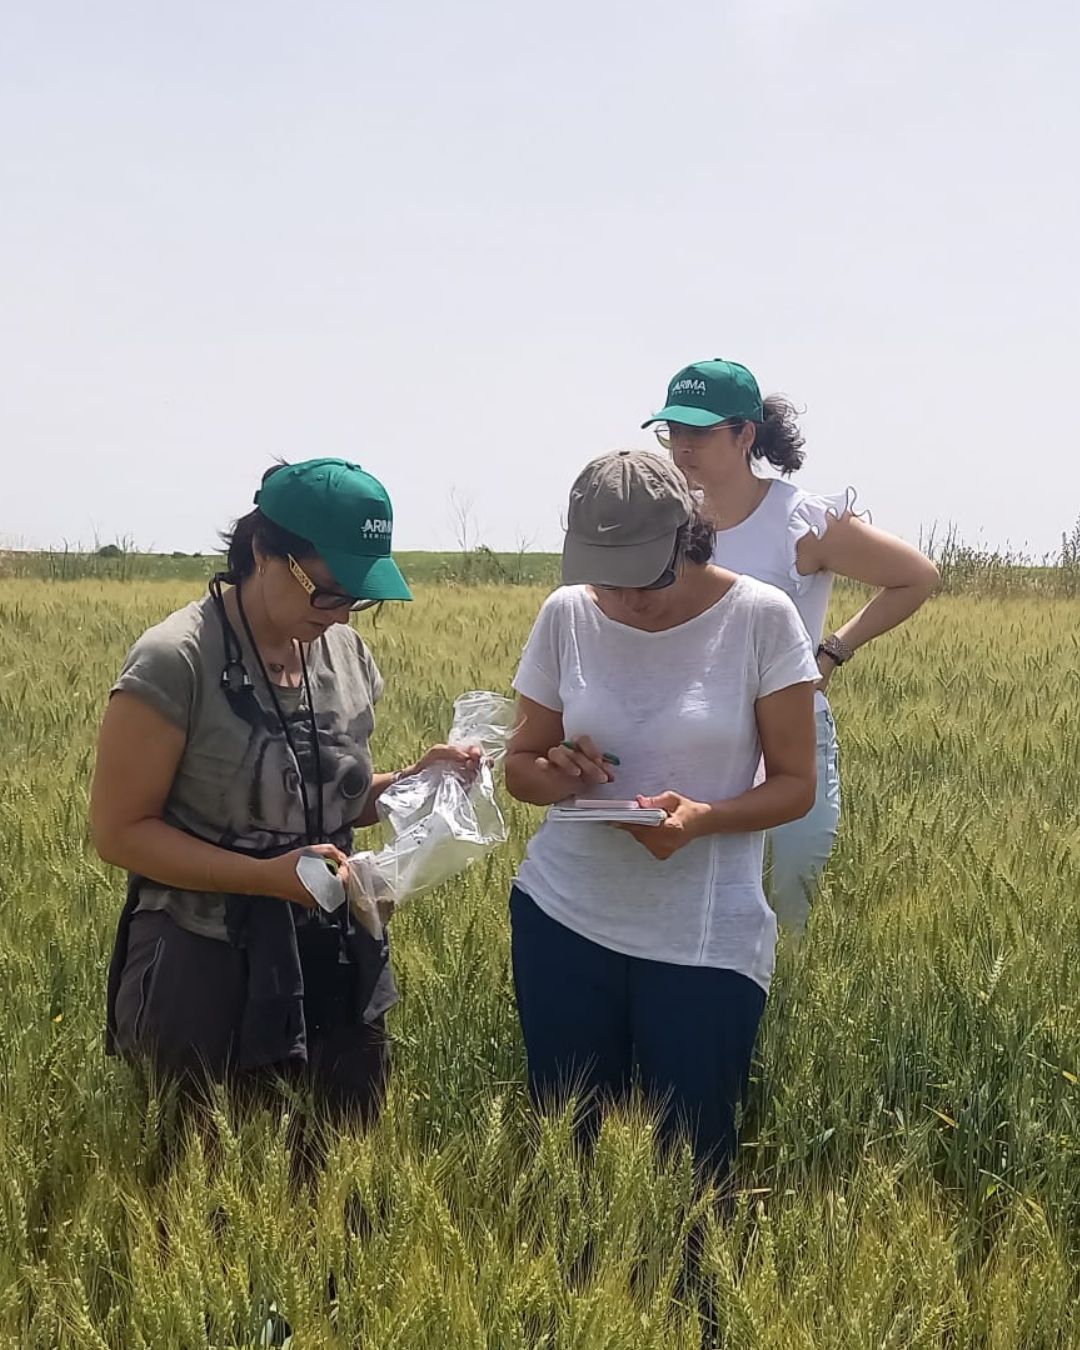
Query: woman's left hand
column 686, row 820
column 465, row 758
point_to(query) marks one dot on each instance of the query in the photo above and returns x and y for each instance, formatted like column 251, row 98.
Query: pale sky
column 466, row 245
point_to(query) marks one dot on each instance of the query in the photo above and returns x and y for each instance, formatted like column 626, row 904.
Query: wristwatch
column 836, row 649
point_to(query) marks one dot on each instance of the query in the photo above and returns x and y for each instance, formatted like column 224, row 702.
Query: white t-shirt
column 764, row 546
column 677, row 708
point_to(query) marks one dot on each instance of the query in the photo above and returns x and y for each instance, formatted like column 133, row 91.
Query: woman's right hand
column 280, row 878
column 584, row 762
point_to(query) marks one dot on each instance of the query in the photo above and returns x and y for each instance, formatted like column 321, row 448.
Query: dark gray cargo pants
column 179, row 1006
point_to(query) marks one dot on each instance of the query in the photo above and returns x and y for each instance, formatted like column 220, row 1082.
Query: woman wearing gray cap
column 653, row 675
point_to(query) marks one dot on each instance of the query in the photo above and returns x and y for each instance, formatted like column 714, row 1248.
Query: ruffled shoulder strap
column 812, row 513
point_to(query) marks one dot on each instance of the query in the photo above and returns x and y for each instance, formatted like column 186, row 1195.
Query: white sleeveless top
column 764, row 544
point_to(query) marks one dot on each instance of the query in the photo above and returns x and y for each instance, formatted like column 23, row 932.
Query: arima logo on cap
column 375, row 528
column 688, row 387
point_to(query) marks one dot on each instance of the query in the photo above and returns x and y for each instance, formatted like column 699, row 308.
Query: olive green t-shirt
column 237, row 784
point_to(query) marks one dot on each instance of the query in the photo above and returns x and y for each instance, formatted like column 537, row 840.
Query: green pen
column 608, row 759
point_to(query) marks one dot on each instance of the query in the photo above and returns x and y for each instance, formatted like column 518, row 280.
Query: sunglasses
column 321, row 597
column 667, row 577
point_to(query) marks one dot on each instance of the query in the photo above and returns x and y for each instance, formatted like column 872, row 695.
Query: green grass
column 476, row 566
column 966, row 569
column 910, row 1173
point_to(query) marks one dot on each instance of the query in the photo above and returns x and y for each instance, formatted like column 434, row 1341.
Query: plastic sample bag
column 440, row 821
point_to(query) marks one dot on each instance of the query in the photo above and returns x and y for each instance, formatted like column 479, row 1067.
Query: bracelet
column 836, row 649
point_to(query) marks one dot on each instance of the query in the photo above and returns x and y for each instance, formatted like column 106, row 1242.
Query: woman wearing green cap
column 719, row 428
column 235, row 741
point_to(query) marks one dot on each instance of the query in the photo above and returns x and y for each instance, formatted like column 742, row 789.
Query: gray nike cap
column 626, row 510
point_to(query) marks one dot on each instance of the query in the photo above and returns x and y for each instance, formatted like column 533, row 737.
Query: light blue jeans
column 799, row 850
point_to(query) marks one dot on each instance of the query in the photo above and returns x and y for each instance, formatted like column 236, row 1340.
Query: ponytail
column 777, row 438
column 695, row 541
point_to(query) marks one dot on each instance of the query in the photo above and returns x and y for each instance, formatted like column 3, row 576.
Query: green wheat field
column 910, row 1168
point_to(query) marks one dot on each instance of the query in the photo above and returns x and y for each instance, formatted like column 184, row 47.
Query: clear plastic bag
column 439, row 821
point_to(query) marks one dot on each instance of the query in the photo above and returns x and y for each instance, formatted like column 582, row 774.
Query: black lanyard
column 236, row 680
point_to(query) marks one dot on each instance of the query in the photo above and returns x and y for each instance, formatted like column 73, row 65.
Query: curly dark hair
column 777, row 438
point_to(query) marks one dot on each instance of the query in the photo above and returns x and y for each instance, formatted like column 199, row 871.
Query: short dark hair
column 777, row 437
column 256, row 528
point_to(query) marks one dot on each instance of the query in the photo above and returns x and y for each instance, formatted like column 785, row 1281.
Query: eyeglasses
column 320, row 597
column 667, row 578
column 667, row 432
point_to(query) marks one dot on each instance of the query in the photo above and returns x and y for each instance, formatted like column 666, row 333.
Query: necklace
column 314, row 826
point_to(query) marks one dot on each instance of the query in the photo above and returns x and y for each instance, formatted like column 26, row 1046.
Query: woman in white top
column 718, row 428
column 654, row 676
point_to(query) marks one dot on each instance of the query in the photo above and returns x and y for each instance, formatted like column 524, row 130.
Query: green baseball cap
column 346, row 514
column 710, row 392
column 625, row 513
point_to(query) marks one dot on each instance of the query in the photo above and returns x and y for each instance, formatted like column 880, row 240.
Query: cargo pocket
column 136, row 993
column 146, row 988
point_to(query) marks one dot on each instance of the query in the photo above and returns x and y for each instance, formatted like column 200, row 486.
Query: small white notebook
column 598, row 812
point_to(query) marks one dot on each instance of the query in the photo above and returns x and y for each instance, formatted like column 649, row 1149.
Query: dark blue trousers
column 592, row 1017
